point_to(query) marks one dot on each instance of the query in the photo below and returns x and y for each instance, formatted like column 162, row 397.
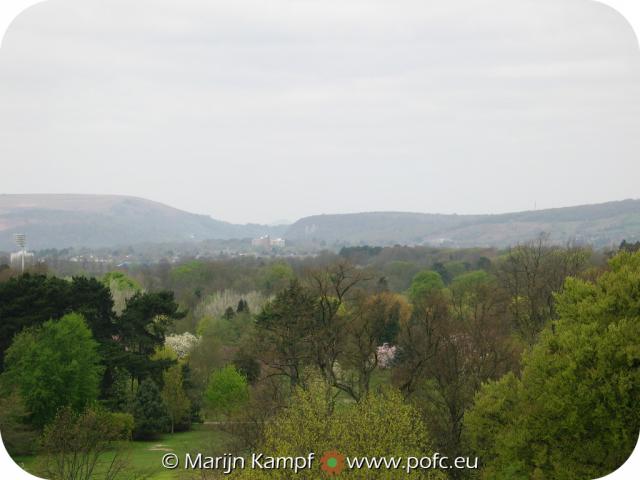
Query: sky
column 254, row 111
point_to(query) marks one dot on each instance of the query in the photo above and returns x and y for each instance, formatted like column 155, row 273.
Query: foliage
column 423, row 284
column 311, row 424
column 227, row 391
column 149, row 411
column 182, row 344
column 18, row 437
column 122, row 288
column 284, row 329
column 175, row 398
column 275, row 277
column 247, row 365
column 227, row 330
column 53, row 366
column 144, row 324
column 215, row 305
column 75, row 445
column 532, row 273
column 30, row 300
column 452, row 343
column 573, row 413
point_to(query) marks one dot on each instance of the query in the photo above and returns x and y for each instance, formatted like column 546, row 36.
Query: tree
column 144, row 324
column 247, row 365
column 275, row 277
column 573, row 412
column 373, row 320
column 149, row 412
column 423, row 284
column 173, row 394
column 229, row 313
column 227, row 391
column 30, row 300
column 284, row 328
column 53, row 366
column 243, row 306
column 311, row 424
column 532, row 273
column 454, row 341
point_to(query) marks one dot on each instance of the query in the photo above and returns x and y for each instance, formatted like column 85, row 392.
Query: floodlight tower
column 21, row 241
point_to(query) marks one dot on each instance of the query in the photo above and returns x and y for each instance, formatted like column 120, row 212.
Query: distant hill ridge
column 74, row 220
column 61, row 220
column 599, row 225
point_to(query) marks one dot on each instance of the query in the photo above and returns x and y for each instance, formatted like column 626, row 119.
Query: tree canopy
column 54, row 365
column 573, row 413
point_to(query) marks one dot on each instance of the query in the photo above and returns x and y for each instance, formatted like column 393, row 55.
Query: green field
column 145, row 457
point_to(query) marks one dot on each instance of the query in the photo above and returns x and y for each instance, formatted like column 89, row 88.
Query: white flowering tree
column 182, row 344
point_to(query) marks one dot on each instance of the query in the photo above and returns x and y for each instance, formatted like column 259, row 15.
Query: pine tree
column 149, row 411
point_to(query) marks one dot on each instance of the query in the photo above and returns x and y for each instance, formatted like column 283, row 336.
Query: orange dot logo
column 332, row 462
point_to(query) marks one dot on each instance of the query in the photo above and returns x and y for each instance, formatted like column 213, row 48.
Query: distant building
column 278, row 242
column 16, row 260
column 267, row 242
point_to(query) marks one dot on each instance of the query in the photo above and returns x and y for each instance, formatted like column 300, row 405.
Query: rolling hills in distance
column 96, row 221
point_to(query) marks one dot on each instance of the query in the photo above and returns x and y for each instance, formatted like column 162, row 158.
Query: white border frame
column 10, row 9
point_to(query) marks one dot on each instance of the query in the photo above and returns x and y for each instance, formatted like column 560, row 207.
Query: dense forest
column 524, row 358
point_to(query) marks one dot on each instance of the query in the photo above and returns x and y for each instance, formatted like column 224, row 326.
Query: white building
column 267, row 242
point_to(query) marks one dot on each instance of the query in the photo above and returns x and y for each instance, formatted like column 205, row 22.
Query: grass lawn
column 145, row 456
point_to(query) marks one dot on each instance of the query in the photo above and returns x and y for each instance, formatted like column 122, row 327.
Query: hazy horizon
column 253, row 113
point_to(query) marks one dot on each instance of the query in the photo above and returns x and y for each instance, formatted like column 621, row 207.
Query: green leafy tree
column 53, row 366
column 149, row 411
column 227, row 391
column 175, row 398
column 311, row 424
column 574, row 411
column 423, row 284
column 275, row 277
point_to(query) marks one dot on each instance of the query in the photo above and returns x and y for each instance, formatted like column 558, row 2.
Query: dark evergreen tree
column 243, row 306
column 149, row 412
column 144, row 324
column 31, row 300
column 229, row 313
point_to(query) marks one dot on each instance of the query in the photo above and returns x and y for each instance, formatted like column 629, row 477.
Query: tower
column 21, row 241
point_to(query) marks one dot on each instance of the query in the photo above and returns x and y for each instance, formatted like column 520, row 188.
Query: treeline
column 526, row 358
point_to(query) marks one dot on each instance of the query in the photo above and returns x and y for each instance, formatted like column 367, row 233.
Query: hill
column 599, row 225
column 60, row 221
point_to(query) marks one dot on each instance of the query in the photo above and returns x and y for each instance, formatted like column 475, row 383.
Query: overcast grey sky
column 257, row 111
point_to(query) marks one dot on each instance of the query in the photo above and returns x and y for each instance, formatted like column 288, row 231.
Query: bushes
column 74, row 445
